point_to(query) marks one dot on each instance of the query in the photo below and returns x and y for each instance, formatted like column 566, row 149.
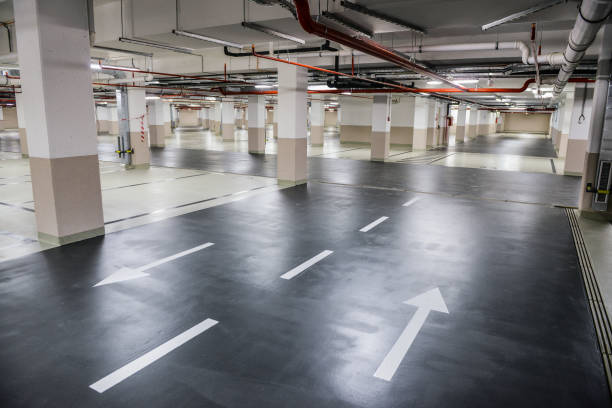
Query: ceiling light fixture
column 466, row 81
column 156, row 45
column 319, row 87
column 434, row 82
column 151, row 97
column 204, row 38
column 274, row 33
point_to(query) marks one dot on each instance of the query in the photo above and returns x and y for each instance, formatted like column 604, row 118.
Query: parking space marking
column 143, row 361
column 373, row 224
column 411, row 201
column 302, row 267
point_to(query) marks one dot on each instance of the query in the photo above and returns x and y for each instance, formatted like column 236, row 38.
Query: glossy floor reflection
column 518, row 332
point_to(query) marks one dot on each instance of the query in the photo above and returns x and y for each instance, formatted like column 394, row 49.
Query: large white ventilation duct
column 591, row 15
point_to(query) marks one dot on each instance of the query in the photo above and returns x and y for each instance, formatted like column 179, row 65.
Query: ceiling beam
column 523, row 13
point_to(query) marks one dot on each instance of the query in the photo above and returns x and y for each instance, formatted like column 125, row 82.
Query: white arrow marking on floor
column 373, row 224
column 410, row 202
column 426, row 302
column 126, row 273
column 152, row 356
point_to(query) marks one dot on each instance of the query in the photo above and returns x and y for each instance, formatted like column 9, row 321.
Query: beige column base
column 430, row 137
column 23, row 142
column 257, row 140
column 471, row 131
column 157, row 135
column 585, row 202
column 355, row 134
column 167, row 129
column 419, row 139
column 113, row 128
column 460, row 134
column 103, row 126
column 227, row 130
column 574, row 157
column 275, row 130
column 68, row 198
column 379, row 150
column 401, row 135
column 316, row 135
column 291, row 161
column 142, row 154
column 563, row 139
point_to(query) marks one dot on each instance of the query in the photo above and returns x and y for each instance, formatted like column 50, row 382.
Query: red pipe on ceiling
column 362, row 44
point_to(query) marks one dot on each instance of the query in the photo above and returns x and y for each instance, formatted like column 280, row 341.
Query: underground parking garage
column 299, row 203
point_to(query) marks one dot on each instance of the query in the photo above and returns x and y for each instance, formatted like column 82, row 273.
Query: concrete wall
column 189, row 117
column 526, row 123
column 331, row 118
column 9, row 120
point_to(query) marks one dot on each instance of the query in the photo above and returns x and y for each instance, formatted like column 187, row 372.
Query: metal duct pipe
column 497, row 45
column 554, row 58
column 368, row 46
column 591, row 16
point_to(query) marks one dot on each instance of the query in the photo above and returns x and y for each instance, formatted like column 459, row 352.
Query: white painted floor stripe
column 373, row 224
column 143, row 361
column 411, row 201
column 175, row 256
column 301, row 268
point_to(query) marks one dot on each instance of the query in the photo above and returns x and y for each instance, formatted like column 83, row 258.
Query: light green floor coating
column 125, row 193
column 333, row 149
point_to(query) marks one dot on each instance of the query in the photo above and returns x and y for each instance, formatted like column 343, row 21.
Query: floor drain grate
column 596, row 304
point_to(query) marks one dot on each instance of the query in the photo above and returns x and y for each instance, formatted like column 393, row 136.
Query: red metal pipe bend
column 365, row 45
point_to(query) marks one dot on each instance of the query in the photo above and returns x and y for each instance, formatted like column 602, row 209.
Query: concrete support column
column 381, row 127
column 472, row 128
column 53, row 43
column 205, row 116
column 275, row 122
column 461, row 115
column 257, row 124
column 21, row 123
column 317, row 119
column 227, row 120
column 139, row 129
column 103, row 119
column 421, row 123
column 157, row 130
column 578, row 133
column 113, row 122
column 167, row 118
column 402, row 121
column 356, row 120
column 431, row 121
column 292, row 109
column 568, row 104
column 598, row 114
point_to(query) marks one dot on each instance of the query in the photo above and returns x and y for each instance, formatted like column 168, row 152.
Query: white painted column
column 381, row 127
column 292, row 110
column 139, row 129
column 472, row 129
column 431, row 121
column 257, row 124
column 53, row 43
column 317, row 120
column 578, row 133
column 356, row 120
column 402, row 121
column 166, row 109
column 568, row 104
column 205, row 117
column 227, row 120
column 157, row 130
column 461, row 115
column 113, row 121
column 421, row 123
column 21, row 123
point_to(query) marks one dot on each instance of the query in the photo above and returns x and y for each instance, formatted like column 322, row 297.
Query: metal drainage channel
column 601, row 320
